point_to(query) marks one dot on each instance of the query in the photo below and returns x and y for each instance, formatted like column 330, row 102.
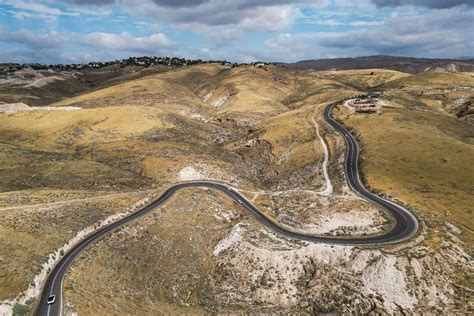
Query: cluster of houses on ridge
column 144, row 61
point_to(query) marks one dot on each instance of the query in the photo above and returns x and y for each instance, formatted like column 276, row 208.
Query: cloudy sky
column 66, row 31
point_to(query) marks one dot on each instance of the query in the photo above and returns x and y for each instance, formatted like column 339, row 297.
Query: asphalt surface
column 406, row 224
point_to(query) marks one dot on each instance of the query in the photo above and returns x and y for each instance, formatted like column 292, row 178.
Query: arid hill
column 404, row 64
column 91, row 157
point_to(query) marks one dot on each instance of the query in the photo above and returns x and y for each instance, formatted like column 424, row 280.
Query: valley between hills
column 104, row 143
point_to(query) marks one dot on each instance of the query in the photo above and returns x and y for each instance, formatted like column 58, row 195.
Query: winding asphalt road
column 406, row 224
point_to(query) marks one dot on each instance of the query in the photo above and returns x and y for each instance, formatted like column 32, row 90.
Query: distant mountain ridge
column 405, row 64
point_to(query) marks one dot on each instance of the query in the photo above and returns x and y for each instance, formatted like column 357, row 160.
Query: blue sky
column 69, row 31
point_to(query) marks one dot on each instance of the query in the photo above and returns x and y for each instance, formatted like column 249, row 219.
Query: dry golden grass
column 289, row 130
column 143, row 141
column 27, row 169
column 447, row 93
column 193, row 75
column 48, row 129
column 293, row 143
column 250, row 90
column 172, row 91
column 175, row 269
column 139, row 135
column 423, row 159
column 362, row 79
column 43, row 196
column 434, row 80
column 28, row 234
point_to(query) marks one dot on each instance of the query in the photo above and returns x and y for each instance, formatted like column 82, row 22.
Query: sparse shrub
column 366, row 111
column 20, row 309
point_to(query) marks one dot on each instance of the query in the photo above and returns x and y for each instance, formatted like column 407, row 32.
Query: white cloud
column 329, row 22
column 367, row 23
column 249, row 15
column 54, row 47
column 357, row 28
column 36, row 7
column 335, row 22
column 222, row 36
column 95, row 11
column 44, row 10
column 29, row 39
column 152, row 44
column 25, row 15
column 270, row 19
column 439, row 34
column 21, row 15
column 433, row 4
column 283, row 39
column 30, row 47
column 286, row 47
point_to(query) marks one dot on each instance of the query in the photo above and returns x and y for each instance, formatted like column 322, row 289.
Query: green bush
column 366, row 111
column 20, row 309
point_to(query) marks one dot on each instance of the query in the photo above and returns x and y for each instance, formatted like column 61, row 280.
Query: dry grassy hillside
column 362, row 79
column 423, row 160
column 259, row 129
column 449, row 93
column 37, row 87
column 421, row 150
column 173, row 267
column 251, row 95
column 172, row 93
